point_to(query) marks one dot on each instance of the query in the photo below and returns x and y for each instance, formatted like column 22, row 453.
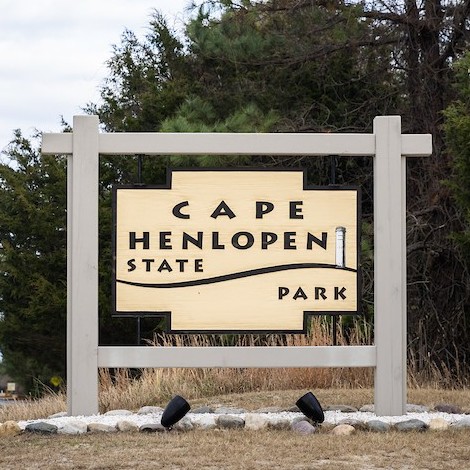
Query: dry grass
column 120, row 389
column 238, row 450
column 127, row 389
column 39, row 409
column 336, row 396
column 253, row 450
column 157, row 385
column 33, row 409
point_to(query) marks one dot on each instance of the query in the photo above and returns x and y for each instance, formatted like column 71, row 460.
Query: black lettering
column 165, row 241
column 223, row 209
column 131, row 264
column 188, row 238
column 250, row 239
column 262, row 208
column 289, row 241
column 182, row 262
column 282, row 292
column 295, row 212
column 177, row 210
column 300, row 293
column 215, row 242
column 311, row 239
column 340, row 293
column 145, row 240
column 198, row 266
column 267, row 238
column 164, row 266
column 320, row 292
column 147, row 262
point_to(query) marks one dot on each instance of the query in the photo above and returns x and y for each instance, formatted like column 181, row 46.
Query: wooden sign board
column 236, row 251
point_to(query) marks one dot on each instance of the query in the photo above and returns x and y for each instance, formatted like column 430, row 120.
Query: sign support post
column 388, row 147
column 82, row 268
column 389, row 267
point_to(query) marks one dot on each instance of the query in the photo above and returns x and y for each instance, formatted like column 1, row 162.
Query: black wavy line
column 229, row 277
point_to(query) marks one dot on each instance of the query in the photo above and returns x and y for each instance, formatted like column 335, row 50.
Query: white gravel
column 331, row 417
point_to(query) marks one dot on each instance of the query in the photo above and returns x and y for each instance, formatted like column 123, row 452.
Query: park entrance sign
column 386, row 145
column 236, row 251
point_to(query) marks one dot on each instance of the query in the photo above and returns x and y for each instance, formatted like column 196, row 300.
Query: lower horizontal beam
column 276, row 356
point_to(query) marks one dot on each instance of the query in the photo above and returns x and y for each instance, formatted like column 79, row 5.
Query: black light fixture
column 174, row 411
column 310, row 407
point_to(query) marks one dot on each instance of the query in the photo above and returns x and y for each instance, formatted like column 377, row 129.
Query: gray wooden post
column 389, row 267
column 82, row 269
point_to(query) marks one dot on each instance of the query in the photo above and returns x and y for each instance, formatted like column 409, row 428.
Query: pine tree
column 32, row 264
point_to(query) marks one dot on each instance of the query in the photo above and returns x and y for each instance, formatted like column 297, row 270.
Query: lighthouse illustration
column 340, row 247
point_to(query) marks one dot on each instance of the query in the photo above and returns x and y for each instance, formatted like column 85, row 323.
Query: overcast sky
column 53, row 53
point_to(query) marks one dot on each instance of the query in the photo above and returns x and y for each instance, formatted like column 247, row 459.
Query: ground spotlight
column 311, row 408
column 174, row 411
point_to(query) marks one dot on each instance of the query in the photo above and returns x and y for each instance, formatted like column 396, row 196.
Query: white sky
column 53, row 53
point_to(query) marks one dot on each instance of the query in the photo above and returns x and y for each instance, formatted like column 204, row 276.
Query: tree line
column 271, row 66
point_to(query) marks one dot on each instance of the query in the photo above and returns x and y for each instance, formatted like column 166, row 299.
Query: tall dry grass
column 125, row 388
column 131, row 389
column 38, row 408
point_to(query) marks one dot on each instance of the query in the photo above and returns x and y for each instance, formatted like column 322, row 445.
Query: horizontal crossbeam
column 232, row 356
column 412, row 145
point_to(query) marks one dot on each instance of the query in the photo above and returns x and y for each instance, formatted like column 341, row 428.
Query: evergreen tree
column 457, row 128
column 333, row 65
column 243, row 66
column 457, row 131
column 147, row 80
column 32, row 264
column 305, row 60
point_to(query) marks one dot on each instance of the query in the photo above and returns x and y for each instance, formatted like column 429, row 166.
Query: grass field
column 239, row 450
column 244, row 449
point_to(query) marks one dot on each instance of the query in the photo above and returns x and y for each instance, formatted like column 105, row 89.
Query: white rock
column 127, row 426
column 438, row 424
column 100, row 427
column 73, row 426
column 343, row 430
column 206, row 421
column 10, row 428
column 255, row 421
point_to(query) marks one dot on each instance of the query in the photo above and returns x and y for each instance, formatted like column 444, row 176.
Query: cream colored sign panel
column 236, row 251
